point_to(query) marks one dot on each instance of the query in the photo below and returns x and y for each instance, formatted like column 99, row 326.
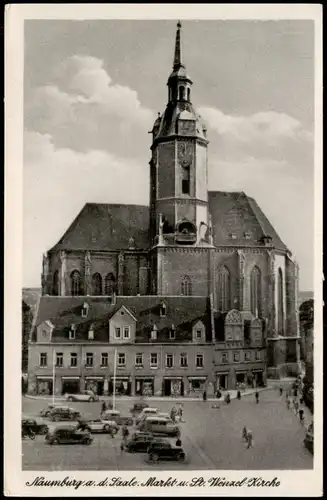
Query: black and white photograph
column 169, row 292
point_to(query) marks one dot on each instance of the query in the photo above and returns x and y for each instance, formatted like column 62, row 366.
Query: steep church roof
column 102, row 226
column 238, row 220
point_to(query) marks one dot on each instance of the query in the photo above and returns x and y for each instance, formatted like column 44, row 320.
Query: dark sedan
column 68, row 435
column 140, row 442
column 165, row 451
column 33, row 425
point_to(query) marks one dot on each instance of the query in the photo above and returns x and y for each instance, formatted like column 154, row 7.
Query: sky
column 92, row 90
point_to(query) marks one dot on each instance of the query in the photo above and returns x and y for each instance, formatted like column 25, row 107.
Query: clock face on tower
column 185, row 153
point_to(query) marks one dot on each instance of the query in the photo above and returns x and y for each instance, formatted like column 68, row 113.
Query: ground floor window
column 70, row 386
column 173, row 387
column 144, row 387
column 96, row 386
column 44, row 387
column 122, row 387
column 222, row 381
column 196, row 385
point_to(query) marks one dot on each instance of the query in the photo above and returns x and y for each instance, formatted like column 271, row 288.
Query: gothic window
column 256, row 291
column 55, row 283
column 181, row 93
column 186, row 180
column 224, row 288
column 109, row 284
column 280, row 303
column 96, row 284
column 76, row 283
column 186, row 286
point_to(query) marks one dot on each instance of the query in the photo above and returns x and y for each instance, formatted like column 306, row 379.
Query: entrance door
column 240, row 378
column 70, row 386
column 259, row 379
column 167, row 387
column 100, row 388
column 44, row 387
column 223, row 381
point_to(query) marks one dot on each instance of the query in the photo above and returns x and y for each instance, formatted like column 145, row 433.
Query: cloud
column 84, row 109
column 270, row 127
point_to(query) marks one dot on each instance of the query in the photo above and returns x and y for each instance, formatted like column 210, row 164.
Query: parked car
column 47, row 411
column 68, row 435
column 138, row 407
column 33, row 425
column 165, row 451
column 140, row 442
column 88, row 396
column 64, row 413
column 101, row 426
column 115, row 415
column 146, row 412
column 308, row 440
column 159, row 425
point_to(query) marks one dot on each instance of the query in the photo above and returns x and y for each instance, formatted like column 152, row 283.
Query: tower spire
column 177, row 58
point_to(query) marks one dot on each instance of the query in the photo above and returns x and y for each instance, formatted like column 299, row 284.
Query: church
column 195, row 290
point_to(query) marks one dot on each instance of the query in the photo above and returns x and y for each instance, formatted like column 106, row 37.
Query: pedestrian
column 296, row 406
column 111, row 431
column 301, row 415
column 218, row 394
column 227, row 398
column 173, row 414
column 178, row 442
column 245, row 434
column 249, row 439
column 257, row 397
column 295, row 392
column 288, row 402
column 301, row 400
column 238, row 394
column 180, row 412
column 281, row 391
column 204, row 396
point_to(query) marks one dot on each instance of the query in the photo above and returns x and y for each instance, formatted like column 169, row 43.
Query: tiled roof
column 102, row 227
column 238, row 220
column 182, row 312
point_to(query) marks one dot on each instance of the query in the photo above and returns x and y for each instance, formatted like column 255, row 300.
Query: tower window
column 76, row 283
column 181, row 93
column 186, row 180
column 188, row 94
column 186, row 286
column 224, row 288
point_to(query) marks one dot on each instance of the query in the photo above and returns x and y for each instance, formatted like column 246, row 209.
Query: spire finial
column 177, row 58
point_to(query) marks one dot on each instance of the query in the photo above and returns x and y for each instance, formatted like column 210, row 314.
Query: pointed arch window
column 186, row 286
column 109, row 284
column 76, row 283
column 224, row 289
column 181, row 93
column 97, row 284
column 280, row 302
column 55, row 283
column 256, row 291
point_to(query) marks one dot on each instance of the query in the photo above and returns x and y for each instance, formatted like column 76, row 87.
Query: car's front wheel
column 181, row 457
column 87, row 441
column 55, row 441
column 91, row 400
column 44, row 430
column 154, row 457
column 70, row 399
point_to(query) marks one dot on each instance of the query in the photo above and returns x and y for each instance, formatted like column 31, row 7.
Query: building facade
column 189, row 243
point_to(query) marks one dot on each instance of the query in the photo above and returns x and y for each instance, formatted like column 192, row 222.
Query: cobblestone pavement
column 211, row 438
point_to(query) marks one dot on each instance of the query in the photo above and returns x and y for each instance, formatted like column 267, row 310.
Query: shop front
column 144, row 386
column 258, row 378
column 222, row 381
column 95, row 384
column 70, row 385
column 173, row 386
column 122, row 384
column 240, row 378
column 44, row 385
column 196, row 384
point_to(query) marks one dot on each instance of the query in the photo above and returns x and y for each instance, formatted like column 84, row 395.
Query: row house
column 143, row 345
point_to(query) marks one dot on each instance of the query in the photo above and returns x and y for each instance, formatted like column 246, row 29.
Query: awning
column 173, row 378
column 94, row 378
column 144, row 377
column 197, row 378
column 222, row 373
column 120, row 378
column 70, row 378
column 258, row 370
column 44, row 377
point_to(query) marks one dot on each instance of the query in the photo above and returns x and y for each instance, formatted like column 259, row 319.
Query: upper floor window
column 72, row 332
column 198, row 334
column 139, row 359
column 154, row 332
column 224, row 288
column 224, row 357
column 172, row 333
column 97, row 284
column 199, row 361
column 247, row 356
column 76, row 283
column 181, row 93
column 43, row 359
column 169, row 360
column 59, row 359
column 183, row 360
column 121, row 359
column 118, row 332
column 236, row 357
column 89, row 359
column 109, row 284
column 104, row 359
column 186, row 179
column 256, row 291
column 127, row 332
column 153, row 359
column 186, row 286
column 73, row 359
column 258, row 355
column 85, row 310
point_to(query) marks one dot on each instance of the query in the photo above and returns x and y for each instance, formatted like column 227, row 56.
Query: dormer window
column 154, row 332
column 247, row 235
column 163, row 309
column 91, row 333
column 72, row 332
column 172, row 333
column 232, row 236
column 198, row 334
column 85, row 310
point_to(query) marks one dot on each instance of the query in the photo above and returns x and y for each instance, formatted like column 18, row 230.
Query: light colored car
column 160, row 426
column 46, row 412
column 116, row 416
column 100, row 425
column 165, row 415
column 146, row 412
column 88, row 396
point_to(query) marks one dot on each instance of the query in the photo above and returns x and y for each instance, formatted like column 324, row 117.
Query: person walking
column 125, row 433
column 173, row 414
column 178, row 442
column 288, row 403
column 180, row 412
column 249, row 439
column 103, row 407
column 281, row 391
column 296, row 406
column 238, row 394
column 245, row 434
column 204, row 396
column 257, row 397
column 301, row 415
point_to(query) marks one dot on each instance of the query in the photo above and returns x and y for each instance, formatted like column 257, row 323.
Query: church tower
column 178, row 167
